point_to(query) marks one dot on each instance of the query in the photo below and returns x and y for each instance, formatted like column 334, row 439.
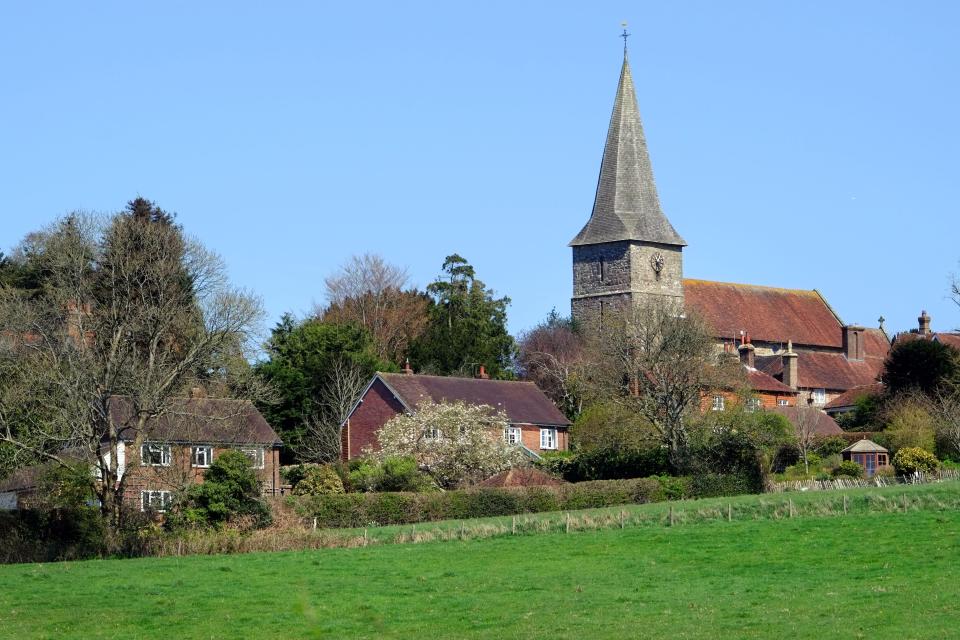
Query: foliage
column 922, row 365
column 454, row 443
column 551, row 355
column 318, row 370
column 607, row 463
column 848, row 469
column 830, row 445
column 612, row 426
column 910, row 423
column 468, row 326
column 393, row 473
column 914, row 460
column 369, row 292
column 740, row 443
column 125, row 305
column 48, row 535
column 865, row 416
column 229, row 494
column 368, row 509
column 319, row 480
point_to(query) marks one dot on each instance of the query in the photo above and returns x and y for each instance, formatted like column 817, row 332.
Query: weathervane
column 624, row 35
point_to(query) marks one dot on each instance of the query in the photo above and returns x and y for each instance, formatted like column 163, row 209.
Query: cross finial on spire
column 624, row 35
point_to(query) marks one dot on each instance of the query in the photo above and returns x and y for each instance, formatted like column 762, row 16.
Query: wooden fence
column 853, row 483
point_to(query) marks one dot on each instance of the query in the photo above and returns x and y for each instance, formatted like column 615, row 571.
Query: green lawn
column 877, row 575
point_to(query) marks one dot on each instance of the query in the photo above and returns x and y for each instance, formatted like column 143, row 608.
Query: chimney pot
column 747, row 353
column 406, row 367
column 483, row 375
column 924, row 322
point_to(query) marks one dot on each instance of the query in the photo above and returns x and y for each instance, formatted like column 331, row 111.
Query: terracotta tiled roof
column 824, row 370
column 523, row 402
column 825, row 424
column 760, row 381
column 849, row 397
column 950, row 339
column 213, row 420
column 768, row 314
column 522, row 477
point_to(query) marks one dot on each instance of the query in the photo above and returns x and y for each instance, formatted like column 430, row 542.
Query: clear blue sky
column 809, row 145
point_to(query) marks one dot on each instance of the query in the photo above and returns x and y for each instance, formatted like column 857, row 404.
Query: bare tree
column 128, row 308
column 551, row 355
column 320, row 441
column 369, row 292
column 658, row 362
column 945, row 408
column 805, row 425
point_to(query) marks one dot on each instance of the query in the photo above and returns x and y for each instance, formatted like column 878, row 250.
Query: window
column 155, row 455
column 881, row 459
column 201, row 456
column 820, row 396
column 513, row 435
column 155, row 500
column 783, row 402
column 753, row 404
column 256, row 457
column 600, row 327
column 548, row 438
column 431, row 433
column 718, row 403
column 603, row 269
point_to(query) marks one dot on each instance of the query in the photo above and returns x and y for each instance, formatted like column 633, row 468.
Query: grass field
column 891, row 573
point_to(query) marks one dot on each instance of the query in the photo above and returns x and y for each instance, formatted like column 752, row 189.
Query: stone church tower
column 628, row 252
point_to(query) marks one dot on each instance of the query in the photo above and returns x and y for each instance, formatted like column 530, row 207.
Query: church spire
column 626, row 206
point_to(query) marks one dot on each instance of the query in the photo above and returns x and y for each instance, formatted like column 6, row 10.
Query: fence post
column 366, row 540
column 413, row 534
column 671, row 515
column 844, row 504
column 904, row 503
column 314, row 524
column 513, row 526
column 790, row 501
column 463, row 530
column 729, row 513
column 621, row 518
column 568, row 522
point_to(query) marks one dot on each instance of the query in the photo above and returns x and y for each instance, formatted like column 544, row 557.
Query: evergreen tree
column 468, row 326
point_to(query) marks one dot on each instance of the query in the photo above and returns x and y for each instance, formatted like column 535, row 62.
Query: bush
column 606, row 464
column 848, row 469
column 373, row 509
column 319, row 480
column 394, row 473
column 911, row 460
column 230, row 493
column 831, row 445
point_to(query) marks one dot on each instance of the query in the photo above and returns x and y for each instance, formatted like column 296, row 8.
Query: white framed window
column 753, row 404
column 256, row 457
column 548, row 438
column 718, row 403
column 783, row 402
column 201, row 456
column 513, row 435
column 820, row 396
column 154, row 454
column 155, row 500
column 431, row 433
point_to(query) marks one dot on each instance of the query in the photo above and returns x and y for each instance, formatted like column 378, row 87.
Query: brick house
column 177, row 447
column 535, row 422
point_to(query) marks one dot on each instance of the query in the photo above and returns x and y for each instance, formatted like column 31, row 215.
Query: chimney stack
column 483, row 375
column 747, row 353
column 406, row 367
column 924, row 322
column 853, row 342
column 789, row 360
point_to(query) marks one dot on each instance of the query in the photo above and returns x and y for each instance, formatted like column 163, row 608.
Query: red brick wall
column 376, row 408
column 768, row 399
column 531, row 438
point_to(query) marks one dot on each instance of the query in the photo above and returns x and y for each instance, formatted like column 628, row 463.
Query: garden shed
column 868, row 454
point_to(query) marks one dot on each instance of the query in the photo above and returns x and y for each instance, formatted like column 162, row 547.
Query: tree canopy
column 927, row 366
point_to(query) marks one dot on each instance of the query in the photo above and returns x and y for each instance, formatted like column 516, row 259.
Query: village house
column 628, row 252
column 534, row 421
column 174, row 451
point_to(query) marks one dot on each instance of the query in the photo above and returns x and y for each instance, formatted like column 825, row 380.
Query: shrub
column 914, row 460
column 230, row 493
column 848, row 469
column 319, row 481
column 910, row 424
column 831, row 445
column 372, row 509
column 607, row 464
column 394, row 473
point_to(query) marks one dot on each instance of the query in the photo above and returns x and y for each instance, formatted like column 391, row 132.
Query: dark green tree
column 468, row 326
column 306, row 365
column 229, row 493
column 923, row 365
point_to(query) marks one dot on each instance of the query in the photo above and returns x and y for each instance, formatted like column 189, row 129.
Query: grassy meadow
column 890, row 571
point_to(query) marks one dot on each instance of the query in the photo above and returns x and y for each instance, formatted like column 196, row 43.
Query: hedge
column 378, row 509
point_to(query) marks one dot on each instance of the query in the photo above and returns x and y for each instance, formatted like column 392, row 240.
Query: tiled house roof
column 626, row 206
column 760, row 381
column 768, row 314
column 523, row 402
column 823, row 370
column 825, row 424
column 213, row 420
column 849, row 397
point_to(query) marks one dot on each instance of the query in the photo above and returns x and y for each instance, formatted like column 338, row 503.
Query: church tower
column 628, row 252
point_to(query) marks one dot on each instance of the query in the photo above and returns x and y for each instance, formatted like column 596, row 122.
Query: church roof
column 768, row 314
column 626, row 206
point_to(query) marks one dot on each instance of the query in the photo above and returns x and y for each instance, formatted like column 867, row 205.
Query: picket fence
column 853, row 483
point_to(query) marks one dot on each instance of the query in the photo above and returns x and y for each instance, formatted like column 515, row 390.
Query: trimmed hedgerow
column 374, row 509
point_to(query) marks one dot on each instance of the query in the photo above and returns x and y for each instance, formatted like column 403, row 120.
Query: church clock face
column 656, row 261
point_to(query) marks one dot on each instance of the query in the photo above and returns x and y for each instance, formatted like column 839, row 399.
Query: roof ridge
column 809, row 292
